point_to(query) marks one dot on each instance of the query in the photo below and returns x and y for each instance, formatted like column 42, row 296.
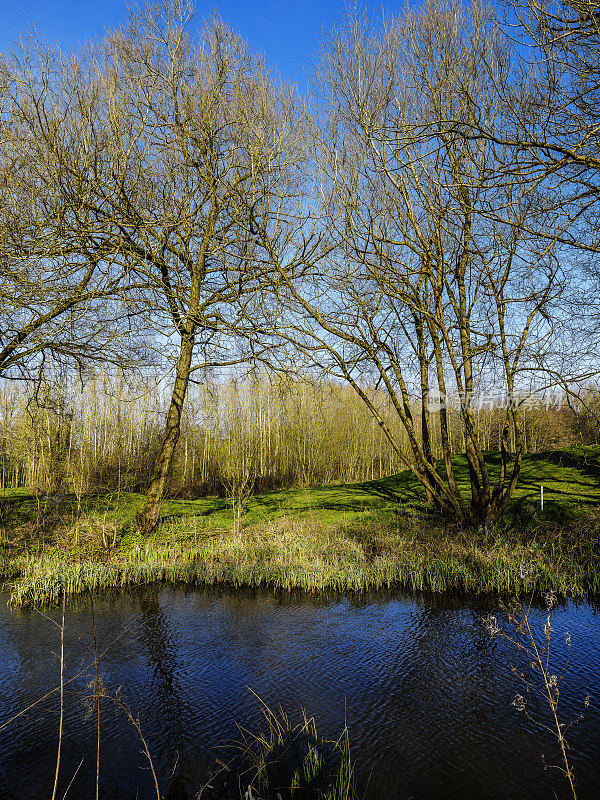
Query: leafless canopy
column 426, row 293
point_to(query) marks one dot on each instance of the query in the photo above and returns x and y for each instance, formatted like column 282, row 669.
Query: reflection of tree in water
column 247, row 632
column 169, row 742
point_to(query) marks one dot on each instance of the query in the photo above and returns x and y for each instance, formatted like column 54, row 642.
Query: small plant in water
column 290, row 761
column 543, row 679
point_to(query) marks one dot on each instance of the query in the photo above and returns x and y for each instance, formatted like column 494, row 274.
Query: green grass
column 358, row 536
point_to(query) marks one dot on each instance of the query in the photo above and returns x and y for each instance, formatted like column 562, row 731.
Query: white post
column 542, row 496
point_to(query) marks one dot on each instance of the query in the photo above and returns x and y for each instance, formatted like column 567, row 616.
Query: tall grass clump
column 368, row 552
column 288, row 761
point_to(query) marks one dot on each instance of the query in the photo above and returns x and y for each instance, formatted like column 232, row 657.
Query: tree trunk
column 147, row 519
column 425, row 416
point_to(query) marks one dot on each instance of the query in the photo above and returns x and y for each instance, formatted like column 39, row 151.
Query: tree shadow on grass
column 585, row 460
column 400, row 488
column 531, row 490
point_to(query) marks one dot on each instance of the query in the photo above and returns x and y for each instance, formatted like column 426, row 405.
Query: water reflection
column 426, row 692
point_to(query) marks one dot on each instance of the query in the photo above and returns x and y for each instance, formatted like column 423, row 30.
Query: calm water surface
column 427, row 693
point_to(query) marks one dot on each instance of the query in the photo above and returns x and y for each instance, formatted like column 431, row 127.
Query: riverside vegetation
column 348, row 536
column 301, row 239
column 428, row 227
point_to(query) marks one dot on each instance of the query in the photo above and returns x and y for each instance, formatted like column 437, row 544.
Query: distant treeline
column 262, row 432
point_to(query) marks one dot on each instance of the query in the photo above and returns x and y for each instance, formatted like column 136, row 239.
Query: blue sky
column 286, row 32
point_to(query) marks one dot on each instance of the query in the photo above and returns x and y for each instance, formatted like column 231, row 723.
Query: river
column 426, row 691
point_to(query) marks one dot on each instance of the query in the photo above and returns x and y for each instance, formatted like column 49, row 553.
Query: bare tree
column 550, row 127
column 139, row 183
column 210, row 144
column 425, row 295
column 59, row 271
column 546, row 140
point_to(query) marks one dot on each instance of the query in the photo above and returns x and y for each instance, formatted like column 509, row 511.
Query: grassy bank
column 354, row 536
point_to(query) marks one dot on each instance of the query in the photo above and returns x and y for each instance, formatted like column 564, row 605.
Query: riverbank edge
column 374, row 552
